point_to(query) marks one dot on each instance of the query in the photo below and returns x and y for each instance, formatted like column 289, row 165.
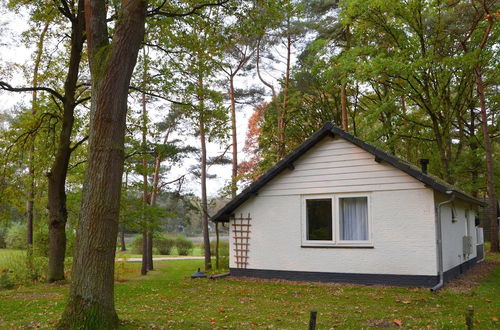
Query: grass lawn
column 197, row 251
column 167, row 298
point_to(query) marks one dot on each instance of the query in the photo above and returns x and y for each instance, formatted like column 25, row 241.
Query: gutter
column 439, row 241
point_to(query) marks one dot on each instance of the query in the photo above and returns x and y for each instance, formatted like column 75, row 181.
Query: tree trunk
column 150, row 249
column 147, row 251
column 286, row 87
column 203, row 176
column 343, row 102
column 217, row 242
column 204, row 203
column 144, row 265
column 122, row 238
column 91, row 298
column 30, row 204
column 234, row 162
column 58, row 214
column 343, row 87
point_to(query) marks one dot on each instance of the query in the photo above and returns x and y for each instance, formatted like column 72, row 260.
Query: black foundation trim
column 460, row 269
column 369, row 279
column 383, row 279
column 336, row 247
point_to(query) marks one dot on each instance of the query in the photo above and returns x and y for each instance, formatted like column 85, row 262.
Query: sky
column 12, row 25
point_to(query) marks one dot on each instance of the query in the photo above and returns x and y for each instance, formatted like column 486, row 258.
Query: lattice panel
column 241, row 236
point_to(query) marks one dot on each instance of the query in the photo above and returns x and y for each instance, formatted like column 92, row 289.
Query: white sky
column 12, row 25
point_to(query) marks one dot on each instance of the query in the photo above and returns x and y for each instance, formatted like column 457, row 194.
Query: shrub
column 137, row 244
column 5, row 281
column 223, row 253
column 183, row 245
column 223, row 248
column 16, row 237
column 23, row 269
column 164, row 244
column 41, row 241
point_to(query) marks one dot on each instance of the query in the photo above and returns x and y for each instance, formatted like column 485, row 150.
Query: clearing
column 167, row 298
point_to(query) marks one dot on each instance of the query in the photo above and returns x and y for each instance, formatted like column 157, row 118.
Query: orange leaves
column 399, row 323
column 403, row 301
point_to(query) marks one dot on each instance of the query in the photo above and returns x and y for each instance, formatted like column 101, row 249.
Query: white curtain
column 354, row 219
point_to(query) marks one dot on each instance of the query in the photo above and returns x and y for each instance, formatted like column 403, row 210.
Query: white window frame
column 336, row 241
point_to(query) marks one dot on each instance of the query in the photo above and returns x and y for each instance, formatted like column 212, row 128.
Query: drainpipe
column 439, row 234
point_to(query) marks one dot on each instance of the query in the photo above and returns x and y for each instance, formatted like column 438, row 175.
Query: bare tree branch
column 158, row 11
column 79, row 143
column 9, row 88
column 137, row 89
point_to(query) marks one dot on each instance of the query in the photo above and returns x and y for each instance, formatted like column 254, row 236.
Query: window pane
column 319, row 219
column 354, row 219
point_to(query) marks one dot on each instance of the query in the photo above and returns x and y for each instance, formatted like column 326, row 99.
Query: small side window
column 319, row 219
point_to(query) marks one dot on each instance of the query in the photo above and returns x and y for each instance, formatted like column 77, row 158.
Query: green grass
column 197, row 251
column 168, row 298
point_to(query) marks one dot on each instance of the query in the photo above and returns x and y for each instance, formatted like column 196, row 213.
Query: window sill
column 337, row 246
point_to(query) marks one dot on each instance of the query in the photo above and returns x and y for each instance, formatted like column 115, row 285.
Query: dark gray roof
column 330, row 130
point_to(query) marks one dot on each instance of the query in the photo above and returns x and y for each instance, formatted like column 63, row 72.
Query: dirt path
column 161, row 258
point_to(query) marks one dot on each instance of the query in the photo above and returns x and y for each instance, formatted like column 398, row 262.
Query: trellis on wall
column 241, row 237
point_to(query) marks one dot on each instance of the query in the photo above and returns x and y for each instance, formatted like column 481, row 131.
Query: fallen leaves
column 399, row 323
column 403, row 301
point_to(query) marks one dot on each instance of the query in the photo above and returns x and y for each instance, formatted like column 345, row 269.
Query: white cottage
column 340, row 210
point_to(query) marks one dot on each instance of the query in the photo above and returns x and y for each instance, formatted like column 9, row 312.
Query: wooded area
column 114, row 93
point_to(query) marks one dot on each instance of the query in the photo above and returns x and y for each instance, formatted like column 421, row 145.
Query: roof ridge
column 329, row 129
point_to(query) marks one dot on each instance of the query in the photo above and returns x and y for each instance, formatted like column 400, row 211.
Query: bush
column 23, row 269
column 16, row 237
column 183, row 245
column 41, row 241
column 164, row 244
column 137, row 245
column 223, row 248
column 5, row 281
column 223, row 253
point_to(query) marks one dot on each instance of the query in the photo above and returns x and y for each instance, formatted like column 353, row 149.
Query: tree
column 91, row 299
column 58, row 214
column 484, row 12
column 111, row 62
column 69, row 101
column 31, row 169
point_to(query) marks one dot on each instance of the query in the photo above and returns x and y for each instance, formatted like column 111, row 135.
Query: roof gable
column 330, row 130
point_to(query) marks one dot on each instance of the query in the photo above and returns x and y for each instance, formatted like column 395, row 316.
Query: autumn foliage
column 249, row 168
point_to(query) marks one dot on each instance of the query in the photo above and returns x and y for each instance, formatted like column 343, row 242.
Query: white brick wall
column 402, row 227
